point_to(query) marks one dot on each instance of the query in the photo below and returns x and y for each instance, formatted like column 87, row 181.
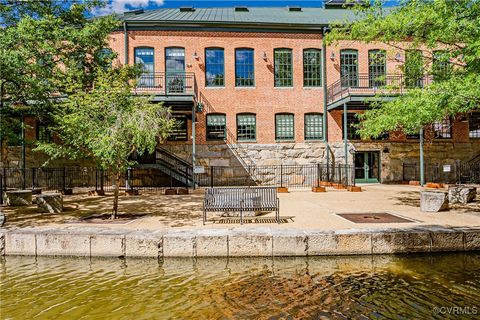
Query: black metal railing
column 457, row 172
column 167, row 83
column 365, row 84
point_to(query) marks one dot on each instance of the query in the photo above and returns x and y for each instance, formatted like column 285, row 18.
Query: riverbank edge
column 235, row 242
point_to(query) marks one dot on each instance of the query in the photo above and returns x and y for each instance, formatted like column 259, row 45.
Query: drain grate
column 370, row 217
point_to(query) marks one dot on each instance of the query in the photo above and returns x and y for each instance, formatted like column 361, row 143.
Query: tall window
column 377, row 69
column 284, row 126
column 313, row 126
column 214, row 67
column 312, row 68
column 349, row 67
column 105, row 57
column 244, row 68
column 174, row 60
column 145, row 58
column 443, row 129
column 180, row 131
column 441, row 64
column 43, row 132
column 246, row 127
column 283, row 68
column 413, row 68
column 474, row 125
column 216, row 127
column 352, row 122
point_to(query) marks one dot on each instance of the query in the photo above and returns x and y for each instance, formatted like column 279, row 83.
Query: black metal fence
column 456, row 173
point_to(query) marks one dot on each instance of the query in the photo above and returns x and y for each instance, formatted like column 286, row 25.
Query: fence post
column 24, row 178
column 33, row 178
column 318, row 175
column 64, row 182
column 211, row 176
column 281, row 176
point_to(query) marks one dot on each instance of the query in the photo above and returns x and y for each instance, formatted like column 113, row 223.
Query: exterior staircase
column 169, row 164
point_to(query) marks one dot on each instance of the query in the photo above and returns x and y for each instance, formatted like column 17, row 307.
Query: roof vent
column 294, row 8
column 133, row 12
column 187, row 9
column 241, row 9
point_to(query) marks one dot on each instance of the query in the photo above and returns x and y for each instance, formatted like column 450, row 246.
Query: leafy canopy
column 450, row 27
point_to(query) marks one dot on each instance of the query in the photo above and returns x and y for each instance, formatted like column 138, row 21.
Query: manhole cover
column 379, row 217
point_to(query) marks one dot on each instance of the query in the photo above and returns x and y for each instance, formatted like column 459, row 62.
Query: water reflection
column 261, row 288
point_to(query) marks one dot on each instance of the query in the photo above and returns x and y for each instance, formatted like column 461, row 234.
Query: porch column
column 422, row 160
column 345, row 131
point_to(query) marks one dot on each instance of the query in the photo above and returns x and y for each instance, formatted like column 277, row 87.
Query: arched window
column 312, row 68
column 377, row 68
column 244, row 67
column 283, row 61
column 246, row 127
column 349, row 67
column 144, row 56
column 313, row 126
column 216, row 126
column 284, row 126
column 214, row 67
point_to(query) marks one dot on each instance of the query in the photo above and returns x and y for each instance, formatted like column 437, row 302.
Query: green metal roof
column 280, row 16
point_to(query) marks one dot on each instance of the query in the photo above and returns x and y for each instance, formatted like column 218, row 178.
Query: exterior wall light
column 265, row 56
column 332, row 56
column 398, row 57
column 195, row 55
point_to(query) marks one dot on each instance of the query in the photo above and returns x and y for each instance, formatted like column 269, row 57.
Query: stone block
column 400, row 242
column 63, row 244
column 287, row 243
column 472, row 239
column 321, row 243
column 107, row 245
column 212, row 243
column 433, row 201
column 20, row 243
column 447, row 241
column 140, row 244
column 353, row 243
column 179, row 244
column 416, row 241
column 50, row 203
column 250, row 244
column 219, row 162
column 461, row 194
column 18, row 197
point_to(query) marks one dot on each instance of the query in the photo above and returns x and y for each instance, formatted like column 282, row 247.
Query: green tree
column 108, row 125
column 49, row 49
column 453, row 27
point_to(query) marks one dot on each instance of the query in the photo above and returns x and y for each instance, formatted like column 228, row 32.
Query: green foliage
column 450, row 27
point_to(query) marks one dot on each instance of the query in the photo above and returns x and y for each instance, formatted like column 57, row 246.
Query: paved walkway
column 312, row 211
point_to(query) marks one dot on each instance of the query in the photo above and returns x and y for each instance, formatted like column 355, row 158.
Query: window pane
column 246, row 127
column 284, row 128
column 216, row 126
column 214, row 67
column 349, row 68
column 43, row 132
column 377, row 69
column 180, row 132
column 443, row 129
column 283, row 68
column 474, row 125
column 441, row 64
column 144, row 56
column 175, row 59
column 312, row 68
column 244, row 68
column 413, row 69
column 313, row 126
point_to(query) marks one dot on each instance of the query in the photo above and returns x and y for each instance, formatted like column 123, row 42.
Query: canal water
column 362, row 287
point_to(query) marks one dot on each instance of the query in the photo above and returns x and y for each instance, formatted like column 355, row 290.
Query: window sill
column 313, row 140
column 214, row 88
column 246, row 141
column 284, row 141
column 248, row 88
column 284, row 88
column 313, row 88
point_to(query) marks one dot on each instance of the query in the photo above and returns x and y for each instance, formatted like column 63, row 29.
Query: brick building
column 262, row 88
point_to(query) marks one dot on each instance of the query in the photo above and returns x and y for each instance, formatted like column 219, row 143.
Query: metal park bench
column 245, row 199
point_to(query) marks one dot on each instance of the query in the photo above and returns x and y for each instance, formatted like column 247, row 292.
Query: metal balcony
column 364, row 85
column 167, row 84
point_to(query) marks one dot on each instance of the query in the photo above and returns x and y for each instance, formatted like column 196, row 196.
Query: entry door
column 175, row 70
column 367, row 167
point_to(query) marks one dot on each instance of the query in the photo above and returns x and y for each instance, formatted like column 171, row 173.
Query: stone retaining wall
column 233, row 243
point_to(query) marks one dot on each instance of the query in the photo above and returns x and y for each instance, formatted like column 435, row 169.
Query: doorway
column 367, row 167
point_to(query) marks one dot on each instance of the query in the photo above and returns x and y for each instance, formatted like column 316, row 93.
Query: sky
column 120, row 6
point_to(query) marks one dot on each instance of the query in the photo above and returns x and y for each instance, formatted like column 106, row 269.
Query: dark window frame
column 377, row 68
column 244, row 131
column 474, row 122
column 443, row 129
column 212, row 131
column 349, row 67
column 215, row 64
column 283, row 71
column 166, row 59
column 42, row 132
column 247, row 67
column 179, row 134
column 277, row 127
column 309, row 69
column 306, row 130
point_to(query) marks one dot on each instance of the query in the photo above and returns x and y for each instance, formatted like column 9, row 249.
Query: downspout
column 325, row 109
column 125, row 33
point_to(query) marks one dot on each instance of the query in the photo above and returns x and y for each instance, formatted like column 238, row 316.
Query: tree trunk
column 115, row 196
